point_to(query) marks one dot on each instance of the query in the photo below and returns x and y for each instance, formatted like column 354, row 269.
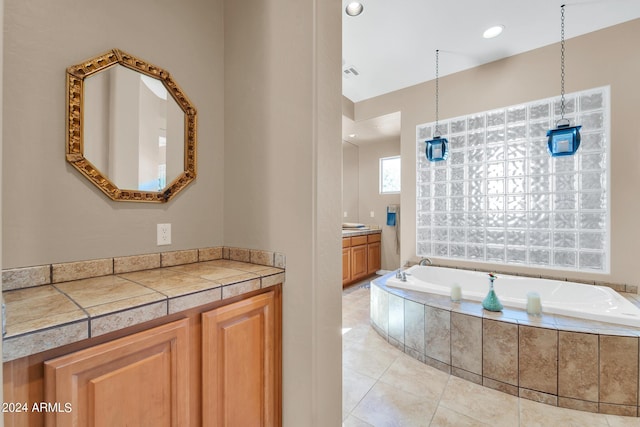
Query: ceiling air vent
column 349, row 71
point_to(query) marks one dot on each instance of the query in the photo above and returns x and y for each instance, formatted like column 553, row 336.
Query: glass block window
column 501, row 198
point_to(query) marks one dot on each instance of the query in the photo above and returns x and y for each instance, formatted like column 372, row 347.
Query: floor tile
column 615, row 421
column 534, row 414
column 480, row 403
column 355, row 387
column 415, row 377
column 388, row 406
column 352, row 421
column 368, row 359
column 445, row 417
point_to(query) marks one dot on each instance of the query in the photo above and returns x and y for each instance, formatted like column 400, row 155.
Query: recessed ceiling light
column 352, row 135
column 493, row 32
column 354, row 8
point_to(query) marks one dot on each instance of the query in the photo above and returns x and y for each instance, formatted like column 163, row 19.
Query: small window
column 390, row 175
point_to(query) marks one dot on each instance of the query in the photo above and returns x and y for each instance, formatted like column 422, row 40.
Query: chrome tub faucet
column 401, row 275
column 425, row 261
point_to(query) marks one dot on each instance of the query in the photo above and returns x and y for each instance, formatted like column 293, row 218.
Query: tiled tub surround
column 54, row 305
column 557, row 360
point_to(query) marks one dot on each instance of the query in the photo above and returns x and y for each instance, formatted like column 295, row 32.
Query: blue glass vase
column 491, row 301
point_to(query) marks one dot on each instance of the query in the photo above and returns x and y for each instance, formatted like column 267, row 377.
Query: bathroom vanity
column 361, row 254
column 212, row 358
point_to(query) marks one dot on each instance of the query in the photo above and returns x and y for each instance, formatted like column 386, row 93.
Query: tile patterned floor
column 383, row 387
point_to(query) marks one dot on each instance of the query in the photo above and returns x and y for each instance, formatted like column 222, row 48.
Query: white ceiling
column 392, row 43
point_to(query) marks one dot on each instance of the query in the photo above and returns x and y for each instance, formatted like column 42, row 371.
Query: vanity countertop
column 350, row 232
column 48, row 316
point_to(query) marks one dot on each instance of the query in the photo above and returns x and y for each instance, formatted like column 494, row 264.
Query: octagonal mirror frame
column 76, row 76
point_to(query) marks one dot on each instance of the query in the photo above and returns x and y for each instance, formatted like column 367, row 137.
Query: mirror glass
column 131, row 129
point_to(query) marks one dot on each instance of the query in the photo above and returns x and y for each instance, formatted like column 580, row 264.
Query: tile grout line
column 440, row 399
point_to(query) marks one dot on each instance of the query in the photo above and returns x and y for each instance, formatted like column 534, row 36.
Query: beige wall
column 350, row 182
column 348, row 107
column 51, row 212
column 283, row 179
column 607, row 57
column 370, row 199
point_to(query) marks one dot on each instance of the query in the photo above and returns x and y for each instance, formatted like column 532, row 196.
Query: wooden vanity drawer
column 346, row 242
column 373, row 237
column 358, row 240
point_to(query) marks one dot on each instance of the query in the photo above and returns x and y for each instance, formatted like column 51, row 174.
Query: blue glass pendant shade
column 564, row 140
column 437, row 149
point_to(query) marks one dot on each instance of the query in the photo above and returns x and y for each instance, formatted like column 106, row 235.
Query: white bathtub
column 558, row 297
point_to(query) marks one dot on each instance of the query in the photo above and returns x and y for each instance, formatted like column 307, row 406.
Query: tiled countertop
column 49, row 316
column 348, row 232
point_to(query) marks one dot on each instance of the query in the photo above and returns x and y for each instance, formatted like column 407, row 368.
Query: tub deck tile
column 466, row 342
column 468, row 307
column 437, row 338
column 537, row 396
column 414, row 326
column 578, row 376
column 434, row 363
column 466, row 375
column 396, row 318
column 618, row 370
column 500, row 386
column 500, row 351
column 538, row 359
column 626, row 410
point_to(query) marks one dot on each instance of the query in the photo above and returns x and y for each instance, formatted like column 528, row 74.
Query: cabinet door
column 139, row 380
column 373, row 257
column 346, row 265
column 239, row 363
column 358, row 262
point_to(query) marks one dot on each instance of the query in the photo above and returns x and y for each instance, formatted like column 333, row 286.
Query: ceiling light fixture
column 352, row 135
column 492, row 32
column 437, row 148
column 564, row 140
column 354, row 8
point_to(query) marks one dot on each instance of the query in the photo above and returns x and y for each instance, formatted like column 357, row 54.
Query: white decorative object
column 456, row 293
column 534, row 306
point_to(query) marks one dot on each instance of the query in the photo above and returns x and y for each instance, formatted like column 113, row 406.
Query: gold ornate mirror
column 130, row 129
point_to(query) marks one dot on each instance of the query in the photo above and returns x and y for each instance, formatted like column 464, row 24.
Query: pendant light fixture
column 564, row 140
column 438, row 147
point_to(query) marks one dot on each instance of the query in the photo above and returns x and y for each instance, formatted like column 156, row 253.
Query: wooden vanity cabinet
column 346, row 265
column 214, row 365
column 139, row 380
column 239, row 363
column 361, row 257
column 374, row 253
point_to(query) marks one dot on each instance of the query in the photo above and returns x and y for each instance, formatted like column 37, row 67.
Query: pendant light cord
column 561, row 63
column 437, row 132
